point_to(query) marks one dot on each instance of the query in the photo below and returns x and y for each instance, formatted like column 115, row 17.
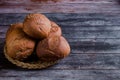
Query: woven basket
column 29, row 65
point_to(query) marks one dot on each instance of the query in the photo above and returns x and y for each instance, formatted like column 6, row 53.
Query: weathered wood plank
column 77, row 28
column 86, row 34
column 76, row 33
column 56, row 1
column 81, row 60
column 84, row 55
column 68, row 19
column 86, row 26
column 89, row 61
column 92, row 34
column 97, row 44
column 67, row 6
column 93, row 45
column 60, row 75
column 77, row 61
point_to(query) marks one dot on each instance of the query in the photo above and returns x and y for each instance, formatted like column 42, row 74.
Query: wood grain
column 61, row 75
column 61, row 6
column 95, row 42
column 81, row 20
column 81, row 34
column 75, row 61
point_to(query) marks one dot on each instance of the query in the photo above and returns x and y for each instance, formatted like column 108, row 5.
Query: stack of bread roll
column 39, row 36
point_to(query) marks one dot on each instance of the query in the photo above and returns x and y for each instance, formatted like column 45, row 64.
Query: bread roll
column 37, row 26
column 19, row 45
column 55, row 30
column 53, row 48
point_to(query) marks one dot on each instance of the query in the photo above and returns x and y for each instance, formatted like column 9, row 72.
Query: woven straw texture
column 30, row 65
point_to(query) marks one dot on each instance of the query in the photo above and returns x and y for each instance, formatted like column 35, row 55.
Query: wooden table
column 92, row 27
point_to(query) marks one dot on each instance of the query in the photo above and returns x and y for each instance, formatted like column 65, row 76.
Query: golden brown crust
column 53, row 48
column 37, row 26
column 63, row 47
column 55, row 30
column 19, row 45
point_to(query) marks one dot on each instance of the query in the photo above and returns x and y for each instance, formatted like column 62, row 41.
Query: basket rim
column 37, row 65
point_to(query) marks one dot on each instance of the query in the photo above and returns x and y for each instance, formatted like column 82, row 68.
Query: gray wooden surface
column 60, row 6
column 95, row 42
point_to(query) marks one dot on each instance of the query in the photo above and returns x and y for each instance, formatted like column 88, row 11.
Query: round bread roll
column 18, row 45
column 37, row 26
column 55, row 30
column 53, row 48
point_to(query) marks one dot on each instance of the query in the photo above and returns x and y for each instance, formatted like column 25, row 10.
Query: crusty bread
column 37, row 26
column 53, row 48
column 19, row 45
